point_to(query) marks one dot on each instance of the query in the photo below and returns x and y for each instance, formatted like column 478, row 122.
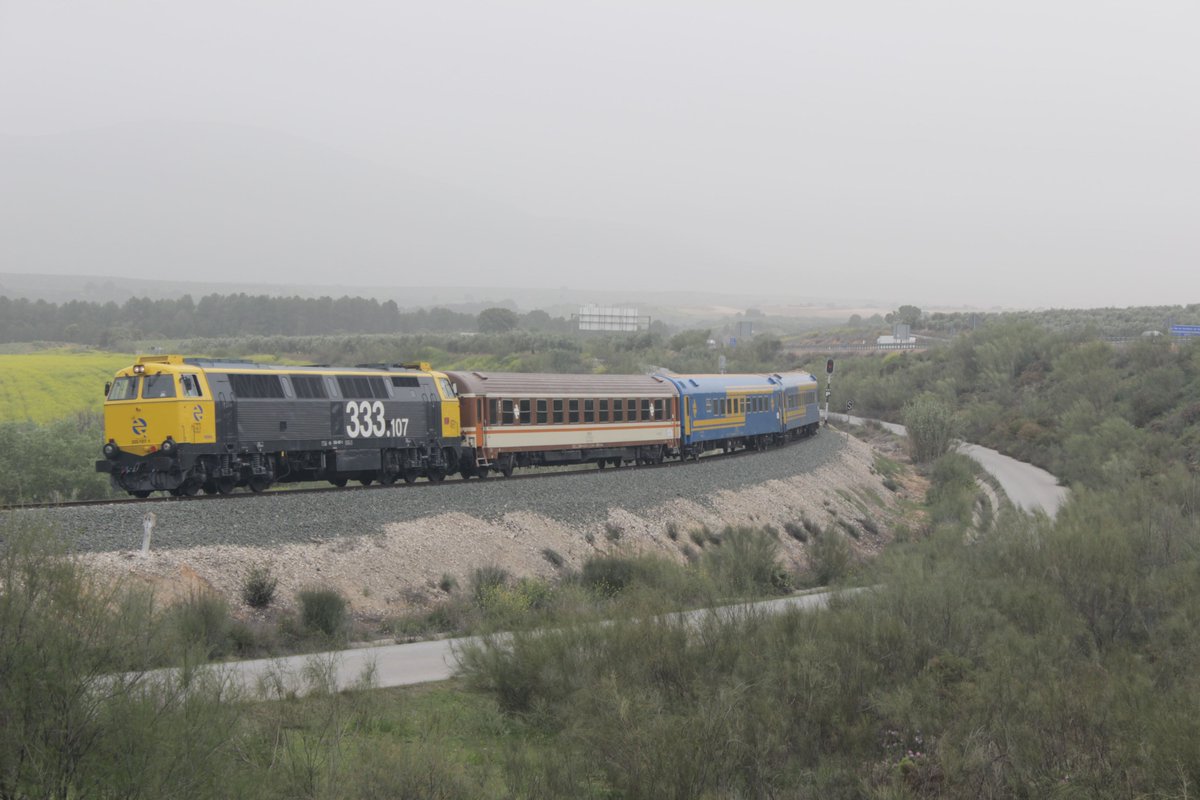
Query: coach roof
column 538, row 384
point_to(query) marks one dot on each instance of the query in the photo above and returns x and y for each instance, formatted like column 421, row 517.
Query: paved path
column 1028, row 487
column 408, row 664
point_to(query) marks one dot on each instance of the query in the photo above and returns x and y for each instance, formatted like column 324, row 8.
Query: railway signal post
column 828, row 384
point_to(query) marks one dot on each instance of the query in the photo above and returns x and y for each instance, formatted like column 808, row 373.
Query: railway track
column 375, row 487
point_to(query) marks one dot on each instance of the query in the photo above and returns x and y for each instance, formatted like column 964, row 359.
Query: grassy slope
column 53, row 384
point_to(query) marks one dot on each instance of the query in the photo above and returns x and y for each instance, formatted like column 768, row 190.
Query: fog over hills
column 216, row 204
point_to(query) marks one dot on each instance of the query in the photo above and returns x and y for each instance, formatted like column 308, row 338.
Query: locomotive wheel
column 190, row 489
column 411, row 474
column 141, row 494
column 338, row 482
column 436, row 474
column 210, row 487
column 388, row 478
column 176, row 492
column 225, row 485
column 259, row 485
column 365, row 481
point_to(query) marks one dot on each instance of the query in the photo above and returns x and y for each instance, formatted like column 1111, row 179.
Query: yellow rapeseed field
column 52, row 384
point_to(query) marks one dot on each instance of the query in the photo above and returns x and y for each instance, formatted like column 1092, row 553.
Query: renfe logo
column 198, row 413
column 139, row 426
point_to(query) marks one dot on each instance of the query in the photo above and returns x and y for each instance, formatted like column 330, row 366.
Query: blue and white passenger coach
column 730, row 411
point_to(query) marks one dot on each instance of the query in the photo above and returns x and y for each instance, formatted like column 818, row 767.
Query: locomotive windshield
column 124, row 389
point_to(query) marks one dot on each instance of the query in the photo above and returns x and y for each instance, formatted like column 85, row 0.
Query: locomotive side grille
column 260, row 420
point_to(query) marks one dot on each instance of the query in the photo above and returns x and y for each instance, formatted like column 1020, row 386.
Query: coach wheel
column 259, row 485
column 436, row 474
column 338, row 482
column 506, row 469
column 481, row 473
column 601, row 463
column 366, row 481
column 226, row 485
column 411, row 474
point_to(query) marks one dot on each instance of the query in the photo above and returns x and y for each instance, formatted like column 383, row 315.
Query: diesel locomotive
column 186, row 425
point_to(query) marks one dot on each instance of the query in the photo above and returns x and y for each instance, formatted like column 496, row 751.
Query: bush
column 931, row 427
column 613, row 532
column 746, row 563
column 323, row 611
column 829, row 557
column 258, row 586
column 202, row 621
column 553, row 557
column 485, row 580
column 796, row 531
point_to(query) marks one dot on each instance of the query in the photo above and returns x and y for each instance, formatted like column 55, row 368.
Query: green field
column 53, row 384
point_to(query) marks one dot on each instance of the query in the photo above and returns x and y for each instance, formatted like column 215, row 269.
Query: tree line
column 215, row 315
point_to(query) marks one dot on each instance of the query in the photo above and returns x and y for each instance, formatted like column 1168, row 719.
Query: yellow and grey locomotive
column 185, row 425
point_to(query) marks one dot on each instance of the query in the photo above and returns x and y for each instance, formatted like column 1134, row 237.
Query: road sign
column 849, row 405
column 1185, row 330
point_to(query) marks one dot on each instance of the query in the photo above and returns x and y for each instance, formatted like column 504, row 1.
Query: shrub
column 258, row 586
column 746, row 563
column 613, row 532
column 553, row 557
column 672, row 531
column 796, row 531
column 202, row 621
column 448, row 583
column 485, row 580
column 699, row 536
column 830, row 557
column 323, row 610
column 931, row 427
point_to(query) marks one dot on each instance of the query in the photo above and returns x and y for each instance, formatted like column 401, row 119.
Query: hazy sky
column 1008, row 152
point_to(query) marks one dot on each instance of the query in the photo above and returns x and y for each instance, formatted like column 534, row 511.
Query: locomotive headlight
column 168, row 446
column 110, row 451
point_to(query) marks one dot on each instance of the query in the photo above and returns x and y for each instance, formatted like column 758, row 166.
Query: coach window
column 526, row 415
column 572, row 411
column 541, row 412
column 646, row 413
column 589, row 410
column 506, row 412
column 603, row 411
column 558, row 412
column 658, row 410
column 618, row 410
column 158, row 386
column 631, row 410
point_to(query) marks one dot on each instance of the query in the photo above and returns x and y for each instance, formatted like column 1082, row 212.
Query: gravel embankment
column 283, row 517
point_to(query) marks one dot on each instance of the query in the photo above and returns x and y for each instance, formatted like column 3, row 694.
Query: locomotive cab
column 155, row 411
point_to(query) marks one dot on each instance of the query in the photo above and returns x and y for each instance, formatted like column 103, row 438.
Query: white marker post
column 147, row 530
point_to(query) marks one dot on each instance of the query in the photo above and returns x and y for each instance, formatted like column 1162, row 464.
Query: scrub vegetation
column 1037, row 658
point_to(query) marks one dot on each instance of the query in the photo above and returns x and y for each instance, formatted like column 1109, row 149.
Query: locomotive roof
column 541, row 383
column 232, row 365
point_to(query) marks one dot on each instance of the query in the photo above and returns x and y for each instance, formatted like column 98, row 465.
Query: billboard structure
column 611, row 318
